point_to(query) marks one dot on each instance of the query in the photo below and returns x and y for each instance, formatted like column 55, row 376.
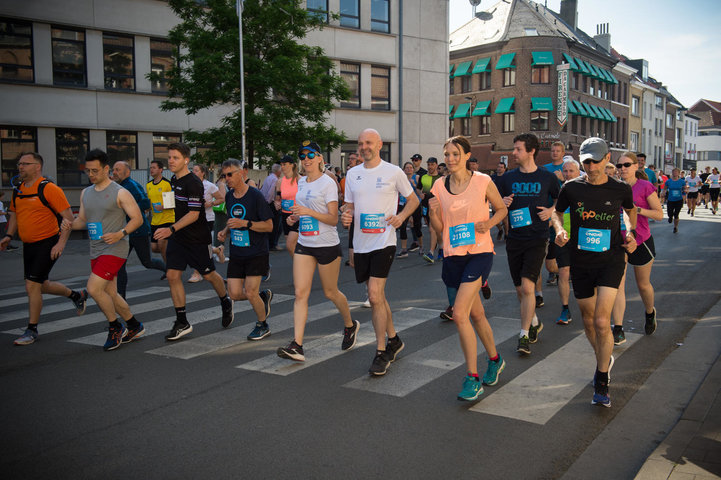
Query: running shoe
column 380, row 364
column 115, row 337
column 564, row 318
column 27, row 338
column 523, row 346
column 601, row 397
column 675, row 230
column 394, row 347
column 650, row 326
column 350, row 334
column 618, row 336
column 486, row 290
column 439, row 257
column 539, row 301
column 447, row 314
column 611, row 361
column 260, row 331
column 266, row 295
column 292, row 352
column 428, row 258
column 688, row 211
column 179, row 330
column 367, row 303
column 414, row 247
column 266, row 277
column 134, row 333
column 494, row 369
column 472, row 389
column 80, row 303
column 228, row 314
column 552, row 279
column 402, row 254
column 670, row 219
column 534, row 331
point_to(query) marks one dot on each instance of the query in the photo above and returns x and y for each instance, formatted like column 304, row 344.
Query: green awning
column 598, row 73
column 542, row 58
column 462, row 69
column 571, row 108
column 506, row 61
column 610, row 115
column 569, row 59
column 613, row 78
column 581, row 110
column 482, row 65
column 603, row 113
column 506, row 105
column 450, row 69
column 462, row 110
column 481, row 109
column 450, row 109
column 606, row 75
column 541, row 104
column 582, row 66
column 595, row 112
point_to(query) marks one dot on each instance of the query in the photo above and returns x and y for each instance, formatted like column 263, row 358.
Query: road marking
column 163, row 325
column 540, row 392
column 328, row 346
column 413, row 371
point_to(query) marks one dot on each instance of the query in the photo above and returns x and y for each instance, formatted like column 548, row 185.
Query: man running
column 43, row 242
column 427, row 182
column 496, row 177
column 571, row 170
column 597, row 250
column 558, row 150
column 163, row 214
column 674, row 197
column 372, row 191
column 693, row 183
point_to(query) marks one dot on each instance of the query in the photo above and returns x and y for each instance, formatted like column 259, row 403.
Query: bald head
column 121, row 170
column 369, row 145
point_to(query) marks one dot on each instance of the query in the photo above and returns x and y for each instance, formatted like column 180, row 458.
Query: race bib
column 239, row 238
column 674, row 194
column 714, row 183
column 425, row 211
column 95, row 230
column 520, row 217
column 373, row 223
column 168, row 200
column 463, row 234
column 594, row 240
column 309, row 226
column 157, row 207
column 401, row 200
column 286, row 205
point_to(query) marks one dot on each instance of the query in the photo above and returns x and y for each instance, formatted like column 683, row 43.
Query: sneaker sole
column 22, row 344
column 403, row 345
column 601, row 404
column 471, row 399
column 650, row 328
column 128, row 338
column 85, row 302
column 267, row 305
column 180, row 334
column 379, row 374
column 255, row 339
column 283, row 354
column 356, row 323
column 500, row 370
column 620, row 342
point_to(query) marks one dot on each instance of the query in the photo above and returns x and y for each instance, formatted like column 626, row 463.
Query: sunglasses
column 625, row 165
column 309, row 155
column 229, row 174
column 591, row 160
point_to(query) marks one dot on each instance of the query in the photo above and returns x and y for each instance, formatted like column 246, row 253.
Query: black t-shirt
column 188, row 191
column 530, row 190
column 251, row 206
column 595, row 218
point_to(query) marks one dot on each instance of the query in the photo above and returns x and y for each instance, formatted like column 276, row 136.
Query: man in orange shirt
column 43, row 243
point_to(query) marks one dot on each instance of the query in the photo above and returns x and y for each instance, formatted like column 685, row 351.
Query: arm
column 217, row 199
column 80, row 221
column 58, row 248
column 434, row 214
column 499, row 209
column 12, row 228
column 347, row 217
column 411, row 206
column 630, row 241
column 127, row 202
column 561, row 234
column 655, row 212
column 330, row 218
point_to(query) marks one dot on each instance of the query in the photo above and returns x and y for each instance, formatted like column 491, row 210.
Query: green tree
column 289, row 87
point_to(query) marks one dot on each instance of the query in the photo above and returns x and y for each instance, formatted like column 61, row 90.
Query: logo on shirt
column 380, row 183
column 238, row 211
column 592, row 215
column 526, row 188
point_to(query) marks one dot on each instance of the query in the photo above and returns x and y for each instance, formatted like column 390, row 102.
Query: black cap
column 310, row 146
column 287, row 159
column 417, row 156
column 473, row 159
column 432, row 160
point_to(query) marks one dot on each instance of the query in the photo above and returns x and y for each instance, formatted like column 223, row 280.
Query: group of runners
column 581, row 226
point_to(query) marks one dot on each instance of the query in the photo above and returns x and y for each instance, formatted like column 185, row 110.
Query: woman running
column 287, row 188
column 675, row 187
column 459, row 214
column 316, row 211
column 713, row 189
column 211, row 198
column 416, row 216
column 647, row 206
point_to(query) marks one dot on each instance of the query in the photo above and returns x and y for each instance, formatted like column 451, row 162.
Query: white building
column 690, row 136
column 654, row 109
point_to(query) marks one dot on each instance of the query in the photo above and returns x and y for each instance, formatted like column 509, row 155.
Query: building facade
column 708, row 150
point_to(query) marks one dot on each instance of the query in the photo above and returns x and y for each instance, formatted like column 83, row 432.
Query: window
column 69, row 57
column 541, row 74
column 16, row 51
column 160, row 145
column 385, row 152
column 509, row 77
column 350, row 72
column 451, row 86
column 659, row 102
column 678, row 115
column 678, row 136
column 161, row 61
column 633, row 142
column 119, row 62
column 668, row 152
column 539, row 121
column 485, row 127
column 669, row 120
column 591, row 90
column 380, row 16
column 574, row 81
column 380, row 88
column 531, row 32
column 635, row 103
column 465, row 126
column 484, row 81
column 13, row 142
column 123, row 146
column 70, row 149
column 509, row 120
column 349, row 13
column 318, row 9
column 466, row 83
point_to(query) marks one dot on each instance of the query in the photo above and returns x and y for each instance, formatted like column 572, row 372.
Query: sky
column 681, row 40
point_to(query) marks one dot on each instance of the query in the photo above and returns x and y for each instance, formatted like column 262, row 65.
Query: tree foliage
column 290, row 88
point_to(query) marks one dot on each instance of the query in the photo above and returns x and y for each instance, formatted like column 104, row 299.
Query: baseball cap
column 417, row 156
column 473, row 159
column 310, row 146
column 432, row 160
column 594, row 148
column 287, row 159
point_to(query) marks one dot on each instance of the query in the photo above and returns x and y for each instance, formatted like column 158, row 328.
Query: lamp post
column 239, row 10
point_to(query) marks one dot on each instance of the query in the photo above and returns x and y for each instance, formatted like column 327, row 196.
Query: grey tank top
column 104, row 216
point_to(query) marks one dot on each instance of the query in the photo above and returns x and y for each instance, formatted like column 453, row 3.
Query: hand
column 394, row 220
column 66, row 225
column 112, row 237
column 508, row 200
column 292, row 219
column 346, row 218
column 4, row 243
column 434, row 204
column 559, row 175
column 56, row 251
column 221, row 235
column 630, row 243
column 481, row 227
column 209, row 204
column 162, row 233
column 237, row 223
column 298, row 210
column 276, row 203
column 545, row 213
column 562, row 238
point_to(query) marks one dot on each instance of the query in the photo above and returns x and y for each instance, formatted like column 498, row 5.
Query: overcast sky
column 681, row 39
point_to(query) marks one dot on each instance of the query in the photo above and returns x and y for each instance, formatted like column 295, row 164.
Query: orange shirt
column 36, row 221
column 459, row 214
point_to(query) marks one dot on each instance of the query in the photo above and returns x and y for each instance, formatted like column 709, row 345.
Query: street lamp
column 239, row 10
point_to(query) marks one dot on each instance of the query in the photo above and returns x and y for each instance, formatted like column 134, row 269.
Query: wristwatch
column 638, row 209
column 172, row 228
column 633, row 232
column 250, row 224
column 124, row 232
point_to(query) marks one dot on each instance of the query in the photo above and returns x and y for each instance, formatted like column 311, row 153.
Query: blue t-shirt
column 675, row 189
column 141, row 199
column 553, row 169
column 251, row 206
column 651, row 175
column 529, row 190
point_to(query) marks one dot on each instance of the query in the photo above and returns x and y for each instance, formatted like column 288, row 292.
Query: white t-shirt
column 3, row 219
column 712, row 179
column 209, row 188
column 316, row 195
column 374, row 195
column 692, row 183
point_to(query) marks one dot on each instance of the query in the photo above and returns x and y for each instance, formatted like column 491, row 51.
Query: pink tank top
column 288, row 190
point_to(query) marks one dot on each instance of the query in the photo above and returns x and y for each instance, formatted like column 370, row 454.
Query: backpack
column 41, row 195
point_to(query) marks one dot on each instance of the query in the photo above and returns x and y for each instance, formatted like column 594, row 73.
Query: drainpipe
column 400, row 83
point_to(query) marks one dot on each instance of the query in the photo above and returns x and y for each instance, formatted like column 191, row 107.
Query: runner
column 675, row 187
column 287, row 187
column 503, row 227
column 459, row 213
column 693, row 183
column 104, row 207
column 211, row 198
column 597, row 251
column 571, row 170
column 558, row 150
column 163, row 216
column 529, row 193
column 427, row 182
column 189, row 242
column 647, row 206
column 316, row 209
column 372, row 191
column 43, row 242
column 704, row 192
column 415, row 216
column 353, row 160
column 250, row 221
column 713, row 189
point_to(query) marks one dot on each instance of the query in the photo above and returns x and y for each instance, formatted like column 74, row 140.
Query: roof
column 708, row 111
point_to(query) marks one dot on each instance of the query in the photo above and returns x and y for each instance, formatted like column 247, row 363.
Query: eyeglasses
column 25, row 164
column 310, row 155
column 625, row 165
column 229, row 174
column 591, row 160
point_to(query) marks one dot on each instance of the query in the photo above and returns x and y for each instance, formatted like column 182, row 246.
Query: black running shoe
column 650, row 326
column 228, row 314
column 447, row 314
column 618, row 336
column 292, row 352
column 179, row 330
column 414, row 247
column 394, row 347
column 534, row 331
column 523, row 346
column 380, row 364
column 486, row 290
column 539, row 301
column 350, row 336
column 81, row 302
column 266, row 296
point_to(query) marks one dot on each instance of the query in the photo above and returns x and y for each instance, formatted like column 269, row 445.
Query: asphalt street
column 216, row 405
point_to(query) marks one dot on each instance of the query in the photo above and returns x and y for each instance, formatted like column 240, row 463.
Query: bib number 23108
column 594, row 240
column 373, row 223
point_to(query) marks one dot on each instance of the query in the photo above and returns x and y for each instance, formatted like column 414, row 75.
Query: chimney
column 602, row 37
column 569, row 12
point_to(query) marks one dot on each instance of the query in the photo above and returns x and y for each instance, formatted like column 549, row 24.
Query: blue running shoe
column 494, row 369
column 602, row 399
column 428, row 258
column 472, row 389
column 115, row 337
column 134, row 333
column 27, row 338
column 260, row 331
column 564, row 318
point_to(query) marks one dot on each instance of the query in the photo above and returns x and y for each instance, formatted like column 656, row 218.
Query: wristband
column 633, row 232
column 172, row 229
